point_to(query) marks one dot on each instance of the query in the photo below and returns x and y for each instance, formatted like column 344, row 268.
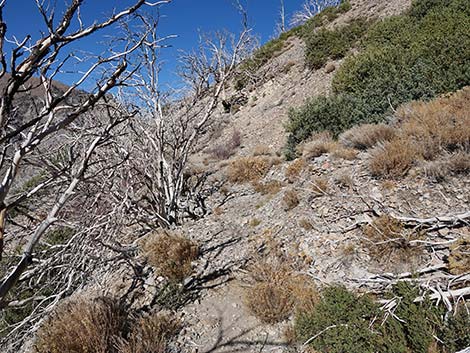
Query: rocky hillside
column 357, row 239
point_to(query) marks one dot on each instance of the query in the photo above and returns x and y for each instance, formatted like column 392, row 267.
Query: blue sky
column 181, row 17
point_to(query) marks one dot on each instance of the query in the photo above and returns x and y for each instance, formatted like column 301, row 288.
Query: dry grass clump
column 254, row 222
column 387, row 240
column 271, row 187
column 366, row 136
column 345, row 153
column 459, row 257
column 305, row 224
column 394, row 159
column 276, row 290
column 150, row 334
column 83, row 325
column 262, row 150
column 170, row 254
column 320, row 186
column 436, row 132
column 294, row 169
column 103, row 325
column 345, row 180
column 439, row 125
column 317, row 145
column 247, row 169
column 291, row 199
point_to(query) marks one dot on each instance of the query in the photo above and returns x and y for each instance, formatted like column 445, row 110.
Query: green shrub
column 346, row 322
column 333, row 44
column 456, row 331
column 334, row 114
column 415, row 56
column 341, row 322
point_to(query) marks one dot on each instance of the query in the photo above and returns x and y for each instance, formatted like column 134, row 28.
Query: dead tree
column 281, row 24
column 27, row 136
column 169, row 129
column 309, row 9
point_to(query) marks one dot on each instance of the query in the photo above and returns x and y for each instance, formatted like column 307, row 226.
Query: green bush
column 415, row 56
column 274, row 47
column 333, row 44
column 345, row 322
column 341, row 322
column 456, row 332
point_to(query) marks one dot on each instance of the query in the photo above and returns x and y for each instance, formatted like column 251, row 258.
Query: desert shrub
column 261, row 150
column 254, row 222
column 403, row 58
column 334, row 114
column 435, row 132
column 294, row 169
column 316, row 145
column 388, row 241
column 459, row 258
column 247, row 169
column 276, row 290
column 334, row 44
column 305, row 224
column 343, row 321
column 103, row 325
column 366, row 136
column 345, row 180
column 441, row 125
column 393, row 159
column 345, row 153
column 83, row 325
column 291, row 199
column 150, row 334
column 320, row 186
column 171, row 254
column 271, row 187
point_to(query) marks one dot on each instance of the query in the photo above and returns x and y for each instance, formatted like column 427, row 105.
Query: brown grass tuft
column 305, row 224
column 262, row 150
column 459, row 257
column 247, row 169
column 294, row 169
column 394, row 159
column 150, row 333
column 83, row 325
column 345, row 180
column 271, row 187
column 320, row 186
column 345, row 153
column 428, row 131
column 276, row 290
column 387, row 240
column 170, row 254
column 366, row 136
column 291, row 199
column 317, row 145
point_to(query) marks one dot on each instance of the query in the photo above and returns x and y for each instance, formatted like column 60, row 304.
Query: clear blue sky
column 181, row 17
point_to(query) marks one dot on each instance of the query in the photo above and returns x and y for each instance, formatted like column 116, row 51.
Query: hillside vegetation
column 418, row 55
